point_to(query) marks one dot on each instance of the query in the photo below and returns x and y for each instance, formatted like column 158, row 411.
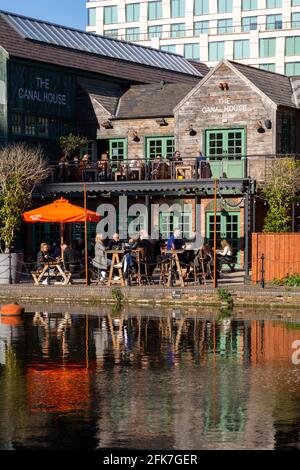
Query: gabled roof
column 103, row 93
column 154, row 100
column 48, row 35
column 274, row 86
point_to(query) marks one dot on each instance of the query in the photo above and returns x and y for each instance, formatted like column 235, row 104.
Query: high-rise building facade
column 262, row 33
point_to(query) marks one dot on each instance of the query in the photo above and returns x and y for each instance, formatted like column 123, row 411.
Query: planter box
column 16, row 267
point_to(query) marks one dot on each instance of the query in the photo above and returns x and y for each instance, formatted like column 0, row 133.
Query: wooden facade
column 280, row 252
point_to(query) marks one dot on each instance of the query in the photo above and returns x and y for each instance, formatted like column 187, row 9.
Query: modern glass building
column 262, row 33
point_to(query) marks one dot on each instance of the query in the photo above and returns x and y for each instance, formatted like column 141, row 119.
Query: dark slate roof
column 154, row 100
column 107, row 94
column 38, row 40
column 274, row 85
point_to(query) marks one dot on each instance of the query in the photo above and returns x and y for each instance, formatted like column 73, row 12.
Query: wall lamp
column 134, row 136
column 107, row 125
column 191, row 130
column 162, row 122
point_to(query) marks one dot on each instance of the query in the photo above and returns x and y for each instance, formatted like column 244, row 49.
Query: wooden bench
column 231, row 264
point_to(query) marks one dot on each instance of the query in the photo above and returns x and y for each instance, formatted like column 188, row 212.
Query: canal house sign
column 41, row 90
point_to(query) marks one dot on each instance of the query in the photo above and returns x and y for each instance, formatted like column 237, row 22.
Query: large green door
column 228, row 228
column 225, row 150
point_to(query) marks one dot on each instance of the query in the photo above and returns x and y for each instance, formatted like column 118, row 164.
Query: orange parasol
column 60, row 211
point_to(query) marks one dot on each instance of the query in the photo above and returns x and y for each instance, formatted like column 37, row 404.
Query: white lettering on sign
column 42, row 93
column 224, row 106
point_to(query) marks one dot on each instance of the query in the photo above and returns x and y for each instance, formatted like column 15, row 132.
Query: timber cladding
column 281, row 255
column 209, row 107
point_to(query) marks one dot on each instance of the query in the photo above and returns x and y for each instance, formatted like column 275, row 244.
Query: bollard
column 262, row 279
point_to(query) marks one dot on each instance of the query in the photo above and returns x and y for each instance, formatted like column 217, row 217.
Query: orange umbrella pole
column 86, row 242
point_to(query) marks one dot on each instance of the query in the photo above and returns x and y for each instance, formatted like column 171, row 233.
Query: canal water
column 148, row 379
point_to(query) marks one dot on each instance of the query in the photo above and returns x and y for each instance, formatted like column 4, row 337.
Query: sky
column 65, row 12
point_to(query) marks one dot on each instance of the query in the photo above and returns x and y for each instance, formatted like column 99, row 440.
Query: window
column 192, row 51
column 42, row 127
column 295, row 20
column 168, row 221
column 30, row 125
column 224, row 6
column 168, row 48
column 267, row 47
column 92, row 17
column 164, row 146
column 132, row 34
column 269, row 67
column 201, row 7
column 274, row 3
column 242, row 49
column 225, row 26
column 286, row 135
column 201, row 27
column 111, row 14
column 292, row 69
column 117, row 149
column 113, row 33
column 177, row 8
column 178, row 30
column 155, row 31
column 132, row 12
column 274, row 22
column 249, row 23
column 216, row 50
column 17, row 124
column 249, row 5
column 292, row 46
column 295, row 3
column 154, row 10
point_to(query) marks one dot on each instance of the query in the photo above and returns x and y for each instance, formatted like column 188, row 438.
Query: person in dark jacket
column 69, row 258
column 43, row 256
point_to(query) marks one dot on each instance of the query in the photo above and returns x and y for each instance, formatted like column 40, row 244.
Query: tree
column 70, row 144
column 21, row 169
column 279, row 191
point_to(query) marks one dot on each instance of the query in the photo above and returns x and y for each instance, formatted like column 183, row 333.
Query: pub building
column 134, row 103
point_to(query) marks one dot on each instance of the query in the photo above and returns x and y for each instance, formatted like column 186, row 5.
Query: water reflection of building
column 124, row 380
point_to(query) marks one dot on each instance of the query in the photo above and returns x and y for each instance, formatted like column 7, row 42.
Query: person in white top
column 225, row 255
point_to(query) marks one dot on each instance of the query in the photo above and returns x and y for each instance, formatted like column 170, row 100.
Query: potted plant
column 71, row 144
column 21, row 169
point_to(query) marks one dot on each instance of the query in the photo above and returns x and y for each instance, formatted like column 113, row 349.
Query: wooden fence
column 281, row 255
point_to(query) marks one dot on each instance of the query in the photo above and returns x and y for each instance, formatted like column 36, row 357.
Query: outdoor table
column 115, row 260
column 46, row 273
column 174, row 259
column 185, row 169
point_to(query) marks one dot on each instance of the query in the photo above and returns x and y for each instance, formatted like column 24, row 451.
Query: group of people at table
column 105, row 169
column 139, row 254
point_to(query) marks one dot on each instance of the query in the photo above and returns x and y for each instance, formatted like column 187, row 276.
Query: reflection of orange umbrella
column 60, row 389
column 62, row 211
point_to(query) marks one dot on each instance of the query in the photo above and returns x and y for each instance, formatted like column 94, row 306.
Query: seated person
column 226, row 254
column 157, row 167
column 69, row 258
column 43, row 257
column 175, row 241
column 115, row 243
column 102, row 167
column 100, row 261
